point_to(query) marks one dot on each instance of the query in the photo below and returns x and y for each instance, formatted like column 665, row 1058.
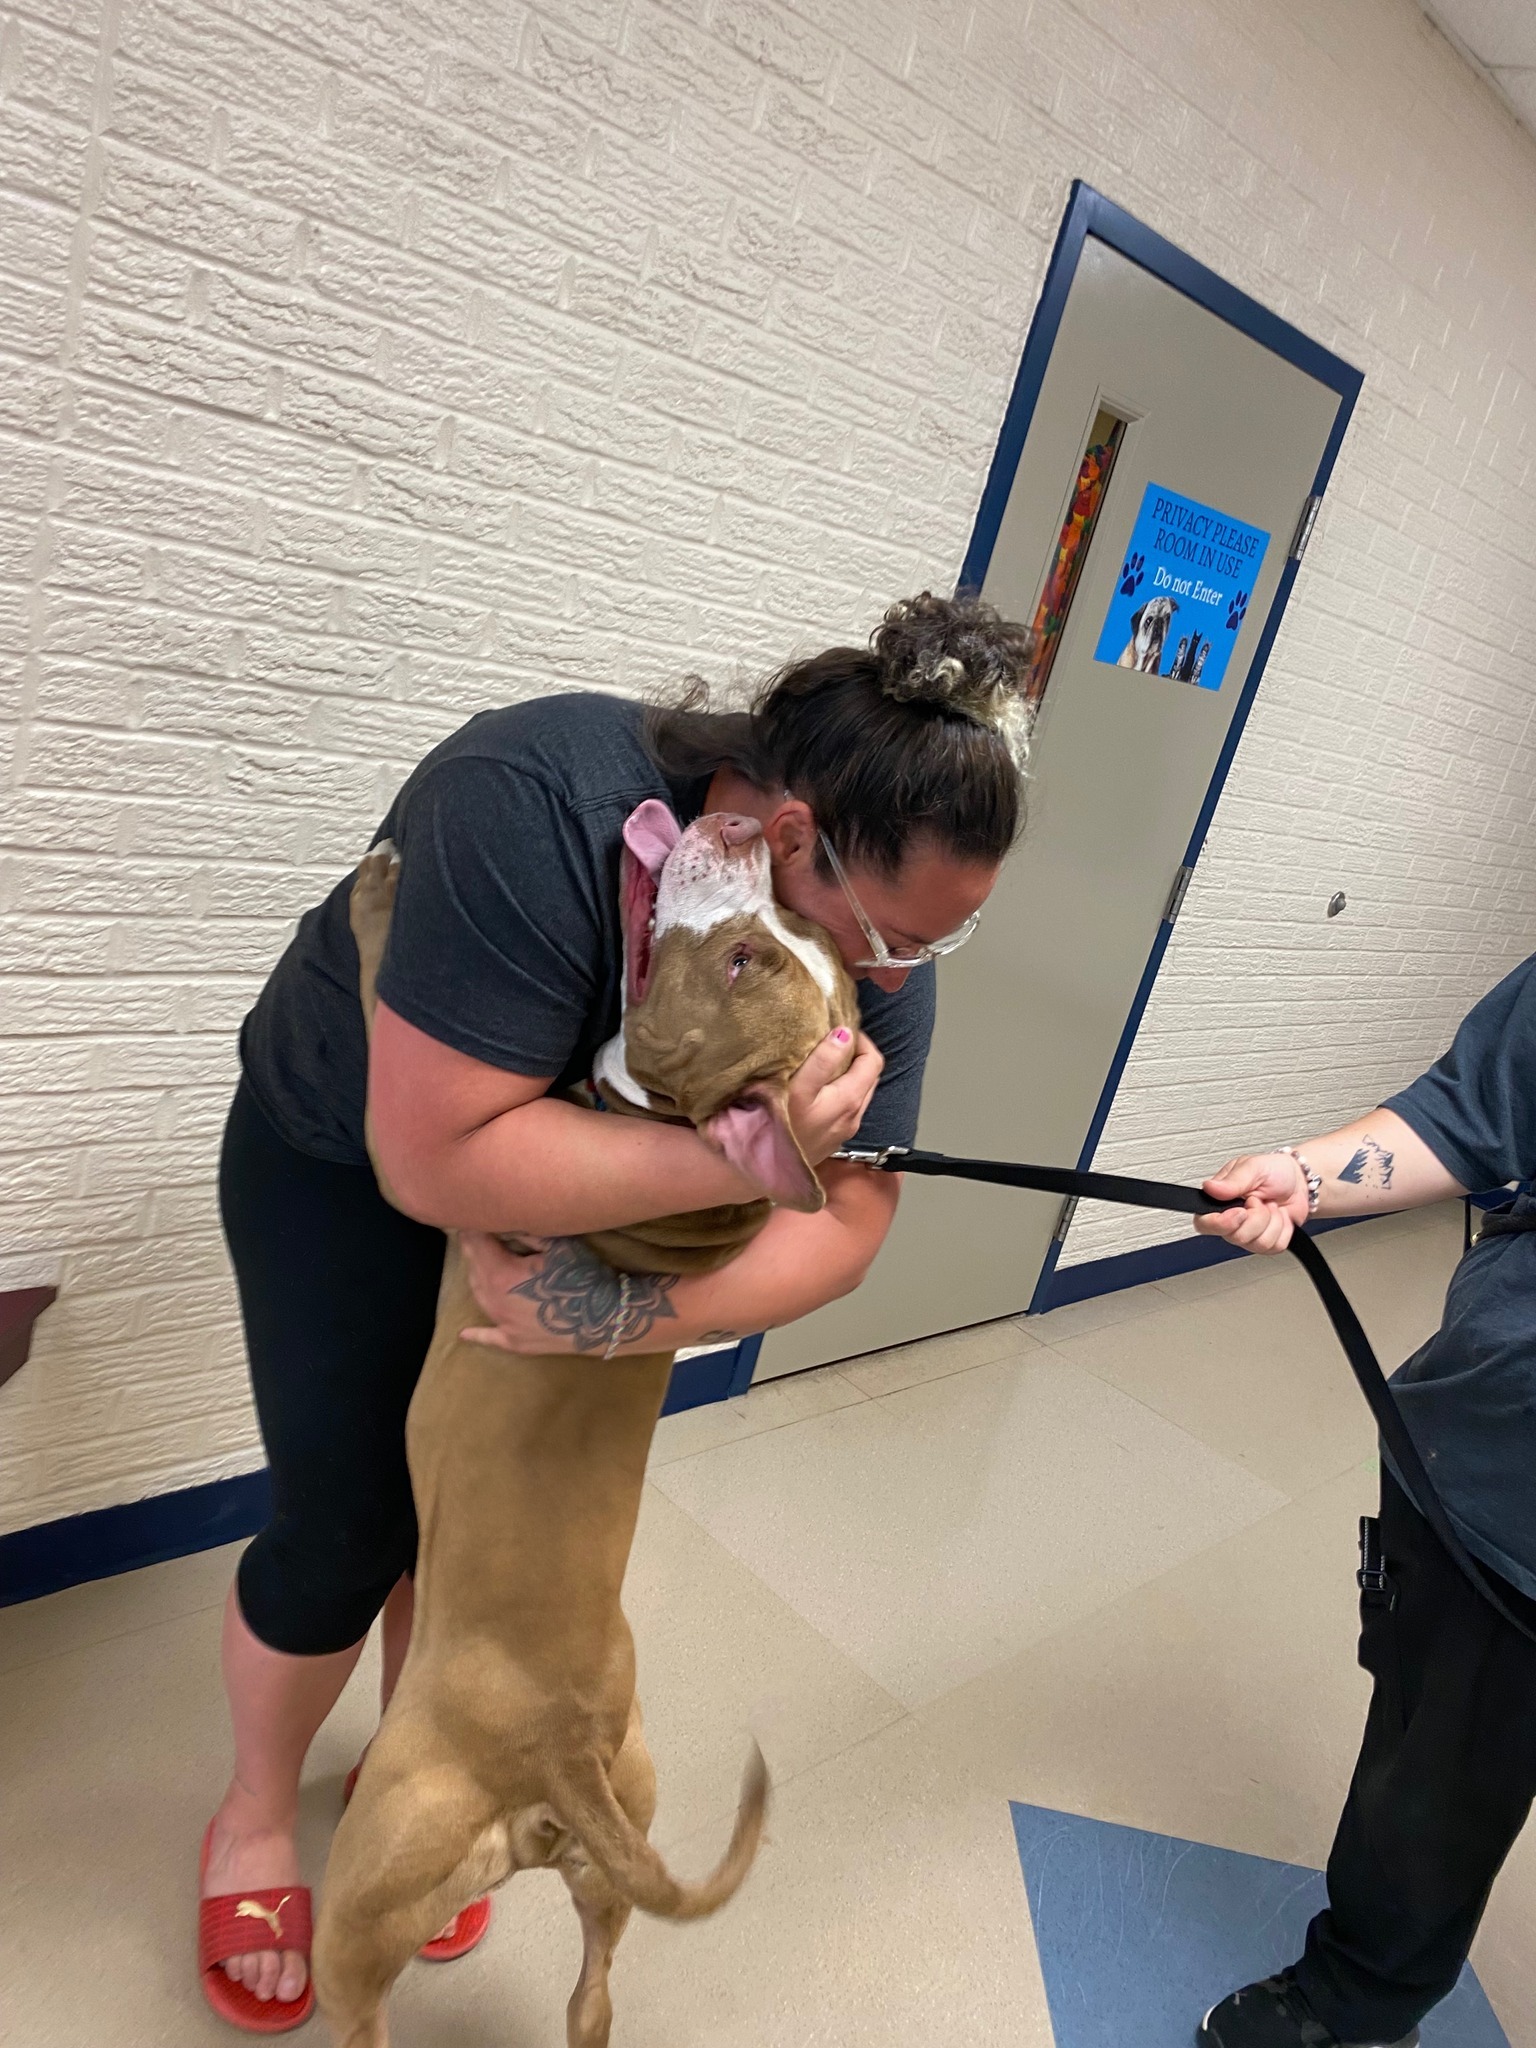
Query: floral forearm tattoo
column 1371, row 1166
column 579, row 1298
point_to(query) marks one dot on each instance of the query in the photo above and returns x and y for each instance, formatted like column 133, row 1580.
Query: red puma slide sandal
column 466, row 1931
column 234, row 1924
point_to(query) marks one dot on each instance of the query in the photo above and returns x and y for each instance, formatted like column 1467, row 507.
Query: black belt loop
column 1161, row 1194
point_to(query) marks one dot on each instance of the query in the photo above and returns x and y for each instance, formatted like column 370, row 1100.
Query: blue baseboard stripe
column 99, row 1545
column 709, row 1377
column 112, row 1540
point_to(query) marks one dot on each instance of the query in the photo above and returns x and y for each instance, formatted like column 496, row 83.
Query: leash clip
column 871, row 1155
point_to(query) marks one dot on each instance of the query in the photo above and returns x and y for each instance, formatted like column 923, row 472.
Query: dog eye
column 739, row 959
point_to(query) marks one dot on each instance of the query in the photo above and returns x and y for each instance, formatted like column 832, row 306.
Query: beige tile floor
column 1102, row 1561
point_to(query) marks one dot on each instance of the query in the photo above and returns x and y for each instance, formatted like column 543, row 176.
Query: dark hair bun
column 961, row 656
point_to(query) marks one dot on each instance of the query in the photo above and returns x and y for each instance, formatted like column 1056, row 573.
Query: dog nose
column 736, row 831
column 725, row 829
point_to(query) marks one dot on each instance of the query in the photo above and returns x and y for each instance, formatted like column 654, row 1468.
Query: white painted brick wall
column 364, row 362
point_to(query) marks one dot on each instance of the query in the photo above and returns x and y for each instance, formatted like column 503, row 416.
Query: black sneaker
column 1274, row 2014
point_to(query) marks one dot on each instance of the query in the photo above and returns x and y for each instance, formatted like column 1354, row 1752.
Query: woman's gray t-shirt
column 1469, row 1395
column 505, row 942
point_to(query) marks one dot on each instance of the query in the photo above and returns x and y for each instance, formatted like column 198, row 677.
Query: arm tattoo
column 1371, row 1166
column 720, row 1337
column 577, row 1296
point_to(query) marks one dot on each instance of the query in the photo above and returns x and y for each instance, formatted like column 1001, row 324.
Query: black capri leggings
column 338, row 1292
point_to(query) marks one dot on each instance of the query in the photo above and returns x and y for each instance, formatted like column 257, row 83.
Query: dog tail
column 636, row 1870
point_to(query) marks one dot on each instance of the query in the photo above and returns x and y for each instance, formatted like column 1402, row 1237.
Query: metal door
column 1036, row 1014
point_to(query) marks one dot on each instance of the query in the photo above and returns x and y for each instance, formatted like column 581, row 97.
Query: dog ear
column 650, row 833
column 1136, row 620
column 754, row 1134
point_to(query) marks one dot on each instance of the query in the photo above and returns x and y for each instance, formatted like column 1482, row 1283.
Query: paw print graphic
column 1237, row 611
column 1131, row 575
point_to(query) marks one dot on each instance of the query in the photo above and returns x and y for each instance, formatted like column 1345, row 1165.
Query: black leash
column 1162, row 1194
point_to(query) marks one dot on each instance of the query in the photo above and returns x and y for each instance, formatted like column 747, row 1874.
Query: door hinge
column 1304, row 526
column 1064, row 1220
column 1176, row 895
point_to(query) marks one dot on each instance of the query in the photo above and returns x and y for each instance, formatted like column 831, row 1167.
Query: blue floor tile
column 1139, row 1934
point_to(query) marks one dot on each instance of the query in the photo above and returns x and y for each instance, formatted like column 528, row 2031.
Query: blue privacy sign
column 1183, row 591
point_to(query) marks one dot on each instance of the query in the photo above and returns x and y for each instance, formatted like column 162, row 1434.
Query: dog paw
column 1132, row 575
column 379, row 869
column 1237, row 611
column 373, row 889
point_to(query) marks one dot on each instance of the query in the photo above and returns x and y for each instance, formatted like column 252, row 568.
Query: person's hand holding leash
column 830, row 1093
column 1273, row 1189
column 1365, row 1168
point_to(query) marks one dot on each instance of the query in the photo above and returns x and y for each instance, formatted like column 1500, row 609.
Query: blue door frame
column 1090, row 213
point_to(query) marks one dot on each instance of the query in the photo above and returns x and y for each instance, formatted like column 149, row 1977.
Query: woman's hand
column 553, row 1295
column 1273, row 1190
column 830, row 1093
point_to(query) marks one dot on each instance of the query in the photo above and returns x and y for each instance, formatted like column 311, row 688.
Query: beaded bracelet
column 1313, row 1180
column 621, row 1320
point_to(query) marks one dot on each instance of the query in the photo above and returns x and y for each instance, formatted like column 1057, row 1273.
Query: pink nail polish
column 842, row 1034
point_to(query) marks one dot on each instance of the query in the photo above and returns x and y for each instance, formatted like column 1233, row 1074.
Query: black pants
column 1443, row 1786
column 338, row 1292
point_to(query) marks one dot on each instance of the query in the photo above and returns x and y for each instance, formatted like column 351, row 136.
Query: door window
column 1093, row 473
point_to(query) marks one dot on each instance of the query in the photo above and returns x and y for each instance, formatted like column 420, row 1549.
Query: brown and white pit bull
column 514, row 1739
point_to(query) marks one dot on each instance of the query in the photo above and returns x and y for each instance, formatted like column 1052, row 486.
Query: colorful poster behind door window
column 1183, row 591
column 1072, row 547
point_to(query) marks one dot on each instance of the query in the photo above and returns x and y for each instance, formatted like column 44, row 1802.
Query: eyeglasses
column 881, row 954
